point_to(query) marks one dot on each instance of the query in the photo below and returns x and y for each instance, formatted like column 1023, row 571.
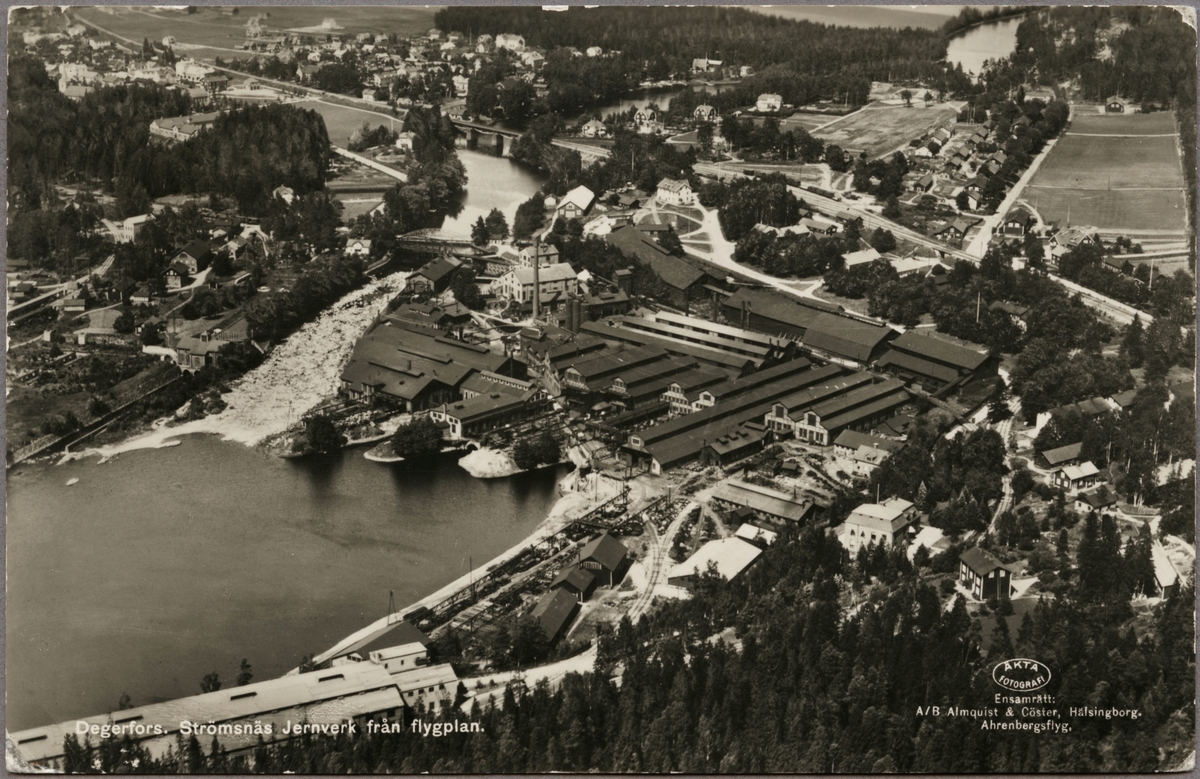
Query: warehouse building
column 762, row 502
column 937, row 362
column 850, row 342
column 773, row 313
column 730, row 556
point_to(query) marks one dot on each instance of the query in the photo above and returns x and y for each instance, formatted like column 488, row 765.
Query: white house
column 877, row 523
column 510, row 41
column 547, row 255
column 517, row 284
column 704, row 113
column 677, row 192
column 593, row 129
column 190, row 70
column 768, row 102
column 404, row 140
column 358, row 247
column 594, row 51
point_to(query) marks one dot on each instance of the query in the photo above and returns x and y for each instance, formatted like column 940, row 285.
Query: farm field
column 1114, row 172
column 1161, row 123
column 884, row 129
column 210, row 28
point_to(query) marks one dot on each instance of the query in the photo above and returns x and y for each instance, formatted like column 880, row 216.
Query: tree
column 418, row 439
column 530, row 216
column 1133, row 344
column 125, row 702
column 211, row 682
column 529, row 453
column 244, row 675
column 961, row 201
column 883, row 240
column 891, row 209
column 669, row 240
column 907, row 96
column 497, row 225
column 321, row 435
column 479, row 232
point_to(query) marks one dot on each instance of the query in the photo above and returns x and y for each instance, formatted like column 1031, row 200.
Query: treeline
column 743, row 203
column 809, row 687
column 971, row 16
column 655, row 43
column 1170, row 296
column 245, row 154
column 273, row 315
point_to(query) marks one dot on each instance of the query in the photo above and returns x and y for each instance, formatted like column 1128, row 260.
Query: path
column 655, row 563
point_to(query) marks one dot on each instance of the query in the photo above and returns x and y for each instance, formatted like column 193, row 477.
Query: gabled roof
column 853, row 440
column 846, row 337
column 673, row 271
column 605, row 550
column 581, row 197
column 555, row 611
column 781, row 308
column 1081, row 471
column 561, row 271
column 960, row 354
column 437, row 269
column 981, row 561
column 674, row 185
column 574, row 576
column 1063, row 454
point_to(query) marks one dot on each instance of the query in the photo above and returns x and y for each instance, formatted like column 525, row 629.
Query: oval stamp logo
column 1021, row 674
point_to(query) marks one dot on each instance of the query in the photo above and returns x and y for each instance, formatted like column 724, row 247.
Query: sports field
column 881, row 130
column 1115, row 173
column 809, row 122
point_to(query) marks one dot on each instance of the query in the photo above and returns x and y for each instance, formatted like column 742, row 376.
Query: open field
column 1157, row 209
column 1113, row 172
column 341, row 121
column 210, row 28
column 809, row 122
column 880, row 130
column 1161, row 123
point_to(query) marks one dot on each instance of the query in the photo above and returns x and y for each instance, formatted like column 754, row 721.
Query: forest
column 656, row 43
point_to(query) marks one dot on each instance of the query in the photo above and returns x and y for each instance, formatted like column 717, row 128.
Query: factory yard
column 1117, row 173
column 885, row 129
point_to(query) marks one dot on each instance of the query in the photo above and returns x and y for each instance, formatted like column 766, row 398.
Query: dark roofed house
column 1060, row 457
column 953, row 232
column 846, row 340
column 605, row 556
column 555, row 611
column 196, row 256
column 177, row 275
column 983, row 575
column 1018, row 222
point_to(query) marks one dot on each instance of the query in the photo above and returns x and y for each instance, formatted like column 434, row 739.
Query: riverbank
column 298, row 375
column 486, row 463
column 577, row 498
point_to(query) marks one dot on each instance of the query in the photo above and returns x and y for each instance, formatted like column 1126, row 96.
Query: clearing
column 881, row 130
column 341, row 121
column 1116, row 172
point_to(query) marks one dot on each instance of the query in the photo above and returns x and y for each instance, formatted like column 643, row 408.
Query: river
column 991, row 41
column 163, row 565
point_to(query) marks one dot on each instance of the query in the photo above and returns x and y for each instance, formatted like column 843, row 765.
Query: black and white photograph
column 517, row 389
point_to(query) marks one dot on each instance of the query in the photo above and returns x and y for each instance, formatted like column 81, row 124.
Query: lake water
column 163, row 565
column 492, row 182
column 985, row 42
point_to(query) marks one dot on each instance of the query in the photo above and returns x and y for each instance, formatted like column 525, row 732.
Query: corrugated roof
column 961, row 355
column 611, row 363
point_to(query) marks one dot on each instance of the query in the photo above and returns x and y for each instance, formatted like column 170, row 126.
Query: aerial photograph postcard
column 485, row 389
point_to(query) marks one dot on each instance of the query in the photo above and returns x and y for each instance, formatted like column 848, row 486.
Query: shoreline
column 570, row 505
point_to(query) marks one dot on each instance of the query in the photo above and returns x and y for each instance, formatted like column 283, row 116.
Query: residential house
column 1060, row 457
column 176, row 276
column 196, row 256
column 983, row 575
column 404, row 140
column 593, row 129
column 1017, row 223
column 954, row 231
column 704, row 113
column 510, row 41
column 768, row 102
column 675, row 192
column 1096, row 500
column 546, row 253
column 594, row 51
column 1114, row 105
column 1074, row 478
column 881, row 524
column 358, row 247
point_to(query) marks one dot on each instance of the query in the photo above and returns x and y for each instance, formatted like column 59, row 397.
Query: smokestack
column 537, row 290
